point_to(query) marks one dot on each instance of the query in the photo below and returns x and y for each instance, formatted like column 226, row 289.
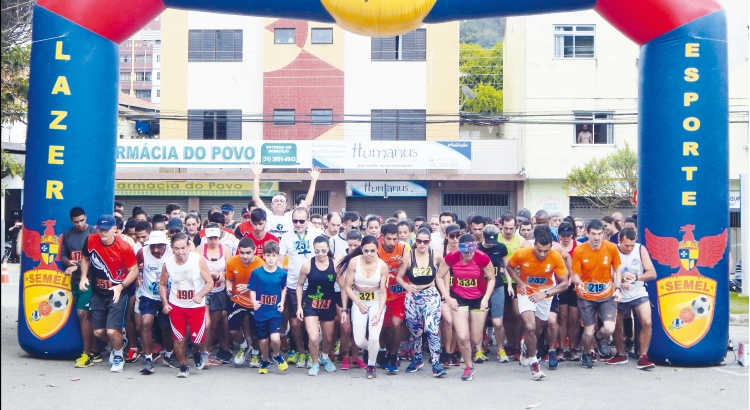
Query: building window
column 143, row 76
column 158, row 93
column 322, row 35
column 284, row 36
column 593, row 128
column 574, row 41
column 126, row 92
column 411, row 46
column 215, row 124
column 158, row 58
column 158, row 75
column 214, row 45
column 321, row 117
column 124, row 58
column 143, row 94
column 124, row 76
column 283, row 117
column 398, row 125
column 142, row 58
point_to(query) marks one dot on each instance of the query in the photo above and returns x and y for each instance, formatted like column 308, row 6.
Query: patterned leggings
column 423, row 315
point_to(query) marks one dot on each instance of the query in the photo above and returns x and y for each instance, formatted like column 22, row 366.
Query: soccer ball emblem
column 58, row 300
column 700, row 306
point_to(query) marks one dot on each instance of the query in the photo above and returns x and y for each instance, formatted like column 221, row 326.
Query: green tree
column 608, row 182
column 481, row 70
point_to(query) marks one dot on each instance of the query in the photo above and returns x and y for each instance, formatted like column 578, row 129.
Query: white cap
column 213, row 232
column 157, row 238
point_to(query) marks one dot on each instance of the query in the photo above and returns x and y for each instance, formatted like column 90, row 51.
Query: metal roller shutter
column 237, row 202
column 151, row 204
column 582, row 208
column 385, row 207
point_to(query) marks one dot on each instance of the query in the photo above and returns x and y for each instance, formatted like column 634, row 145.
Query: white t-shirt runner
column 299, row 249
column 279, row 224
column 151, row 273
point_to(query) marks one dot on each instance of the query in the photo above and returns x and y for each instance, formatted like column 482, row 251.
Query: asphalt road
column 28, row 382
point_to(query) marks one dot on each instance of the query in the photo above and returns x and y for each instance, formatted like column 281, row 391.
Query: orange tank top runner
column 595, row 269
column 393, row 260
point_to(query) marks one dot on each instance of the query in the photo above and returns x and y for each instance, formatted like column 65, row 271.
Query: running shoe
column 576, row 355
column 345, row 364
column 445, row 359
column 198, row 360
column 404, row 354
column 552, row 363
column 568, row 355
column 390, row 365
column 111, row 356
column 84, row 361
column 456, row 359
column 184, row 372
column 415, row 365
column 337, row 348
column 96, row 357
column 308, row 360
column 132, row 355
column 292, row 359
column 239, row 358
column 210, row 361
column 172, row 361
column 280, row 362
column 560, row 354
column 361, row 363
column 327, row 363
column 300, row 360
column 603, row 347
column 148, row 366
column 438, row 371
column 156, row 355
column 587, row 361
column 502, row 357
column 629, row 344
column 479, row 357
column 263, row 368
column 644, row 363
column 536, row 371
column 468, row 374
column 371, row 372
column 618, row 359
column 224, row 356
column 118, row 364
column 313, row 369
column 254, row 361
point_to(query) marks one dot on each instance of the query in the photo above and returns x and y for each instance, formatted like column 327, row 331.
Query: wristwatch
column 442, row 298
column 345, row 310
column 546, row 293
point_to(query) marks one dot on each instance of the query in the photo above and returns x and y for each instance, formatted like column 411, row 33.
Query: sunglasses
column 422, row 241
column 369, row 251
column 579, row 226
column 299, row 221
column 320, row 251
column 454, row 236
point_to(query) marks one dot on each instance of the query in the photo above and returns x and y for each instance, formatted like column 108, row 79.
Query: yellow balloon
column 379, row 18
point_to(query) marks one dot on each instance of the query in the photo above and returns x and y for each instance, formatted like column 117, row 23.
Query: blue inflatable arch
column 683, row 142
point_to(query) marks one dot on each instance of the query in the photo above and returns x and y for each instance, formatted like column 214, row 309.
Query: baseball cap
column 105, row 222
column 157, row 238
column 213, row 232
column 490, row 238
column 174, row 224
column 451, row 229
column 245, row 212
column 523, row 214
column 565, row 228
column 227, row 207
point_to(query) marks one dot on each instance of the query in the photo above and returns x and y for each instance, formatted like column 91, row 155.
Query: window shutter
column 237, row 45
column 234, row 124
column 195, row 124
column 224, row 45
column 208, row 46
column 194, row 45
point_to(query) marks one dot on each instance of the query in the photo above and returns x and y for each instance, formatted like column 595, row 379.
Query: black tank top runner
column 320, row 291
column 421, row 275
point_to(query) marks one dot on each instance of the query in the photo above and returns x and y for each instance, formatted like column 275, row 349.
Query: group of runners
column 345, row 291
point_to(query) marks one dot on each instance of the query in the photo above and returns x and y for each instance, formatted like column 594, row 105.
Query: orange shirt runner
column 240, row 274
column 594, row 268
column 537, row 274
column 393, row 261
